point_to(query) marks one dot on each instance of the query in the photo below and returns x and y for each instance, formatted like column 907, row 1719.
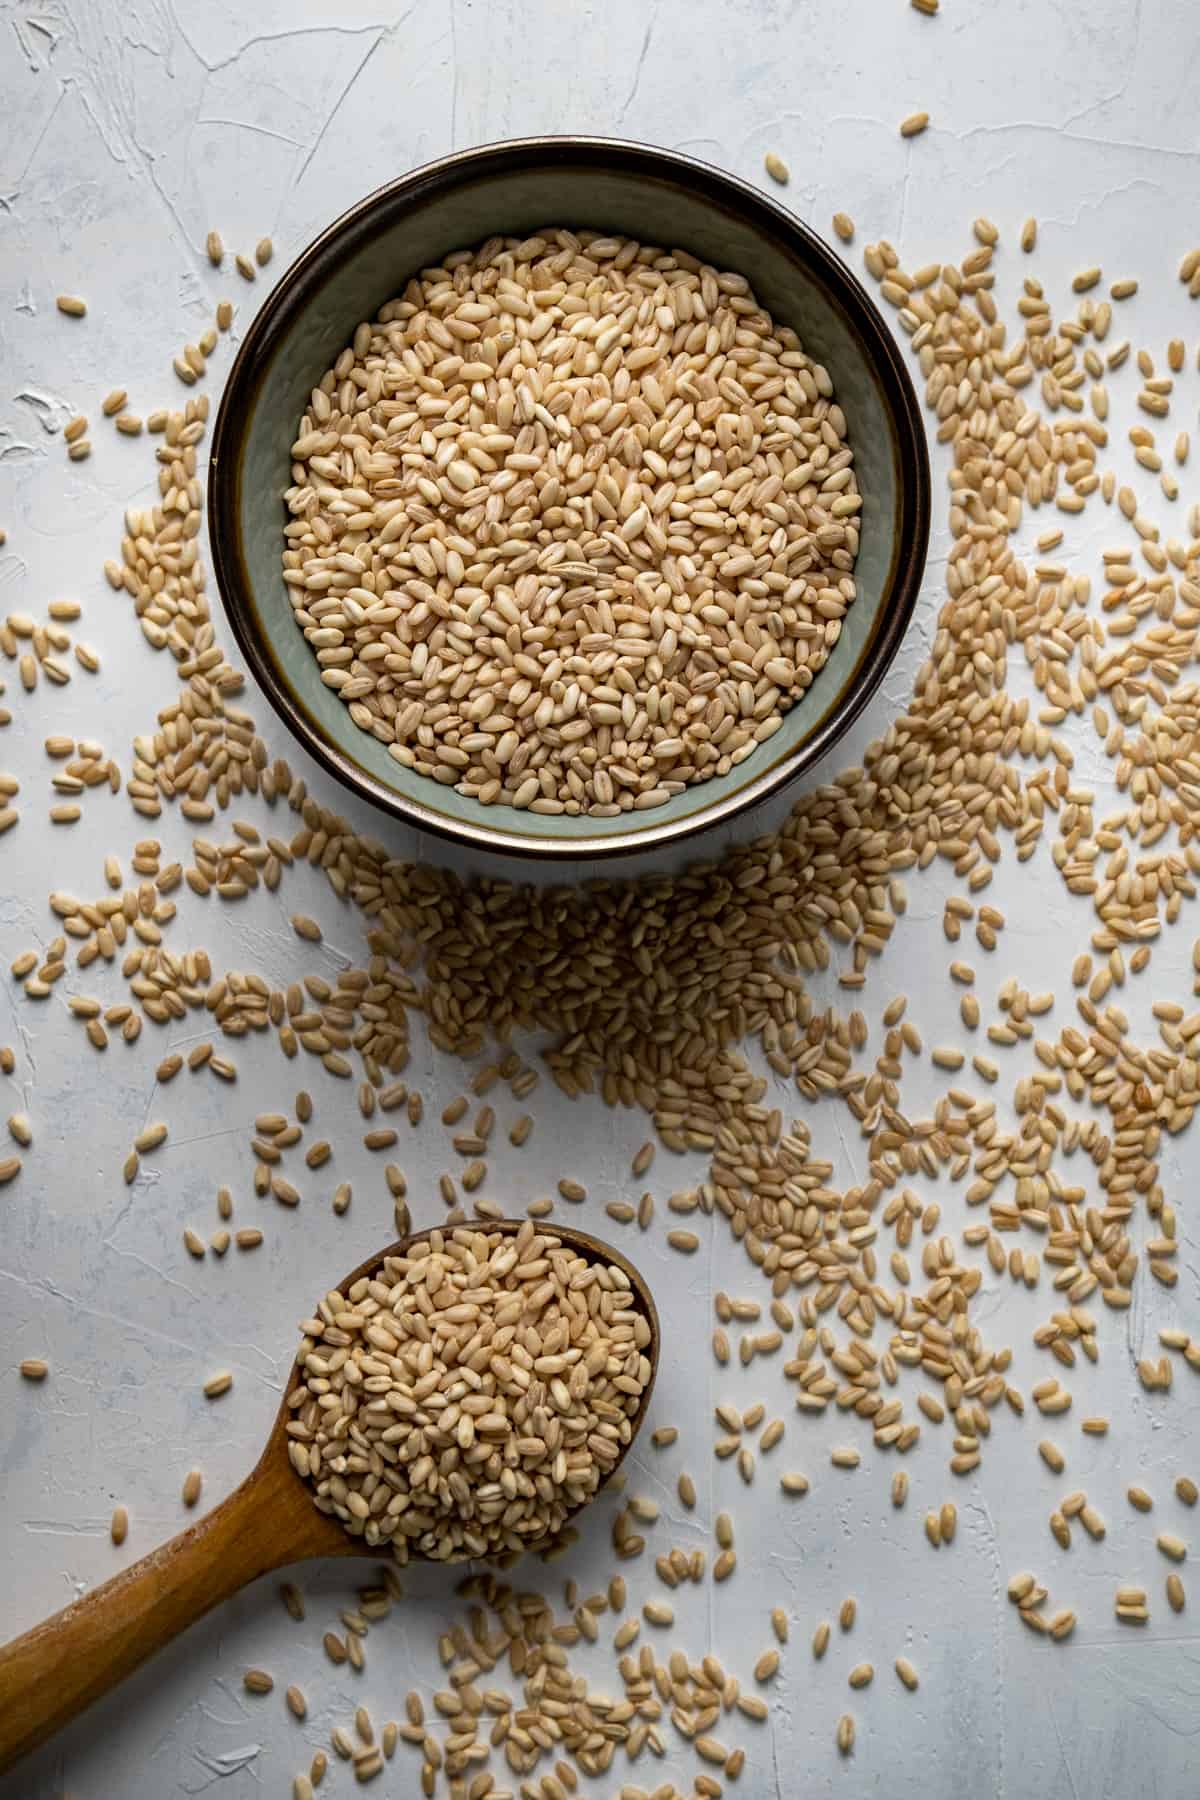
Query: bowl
column 364, row 258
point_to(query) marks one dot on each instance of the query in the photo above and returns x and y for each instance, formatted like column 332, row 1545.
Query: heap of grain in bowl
column 573, row 523
column 469, row 1396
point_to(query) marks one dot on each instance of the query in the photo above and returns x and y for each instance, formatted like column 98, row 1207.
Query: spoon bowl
column 61, row 1666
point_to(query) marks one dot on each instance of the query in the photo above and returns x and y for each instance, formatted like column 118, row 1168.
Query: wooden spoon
column 64, row 1664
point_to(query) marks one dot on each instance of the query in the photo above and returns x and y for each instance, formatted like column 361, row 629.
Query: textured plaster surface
column 126, row 131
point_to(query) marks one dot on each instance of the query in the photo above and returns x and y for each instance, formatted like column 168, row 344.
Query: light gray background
column 126, row 131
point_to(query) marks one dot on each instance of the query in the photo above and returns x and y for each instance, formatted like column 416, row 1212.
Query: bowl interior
column 365, row 260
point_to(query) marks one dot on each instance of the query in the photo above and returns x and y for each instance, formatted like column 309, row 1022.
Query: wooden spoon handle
column 70, row 1660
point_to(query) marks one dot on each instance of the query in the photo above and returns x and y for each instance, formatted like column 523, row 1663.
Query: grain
column 592, row 1362
column 297, row 1705
column 1171, row 1545
column 1092, row 1522
column 214, row 249
column 847, row 1613
column 264, row 250
column 632, row 726
column 914, row 124
column 621, row 1028
column 907, row 1673
column 218, row 1384
column 767, row 1666
column 34, row 1368
column 244, row 267
column 118, row 1527
column 1186, row 1490
column 845, row 1734
column 71, row 305
column 257, row 1681
column 1052, row 1456
column 776, row 168
column 1139, row 1498
column 845, row 1458
column 1176, row 1598
column 642, row 1160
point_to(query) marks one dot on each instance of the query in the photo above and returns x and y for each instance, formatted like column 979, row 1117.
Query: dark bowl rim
column 911, row 524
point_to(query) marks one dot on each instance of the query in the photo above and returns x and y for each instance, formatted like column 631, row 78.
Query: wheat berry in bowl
column 601, row 492
column 573, row 523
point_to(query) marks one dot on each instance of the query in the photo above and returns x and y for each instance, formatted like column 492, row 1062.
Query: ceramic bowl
column 364, row 259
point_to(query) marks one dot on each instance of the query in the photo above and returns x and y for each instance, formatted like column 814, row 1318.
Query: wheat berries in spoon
column 462, row 1394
